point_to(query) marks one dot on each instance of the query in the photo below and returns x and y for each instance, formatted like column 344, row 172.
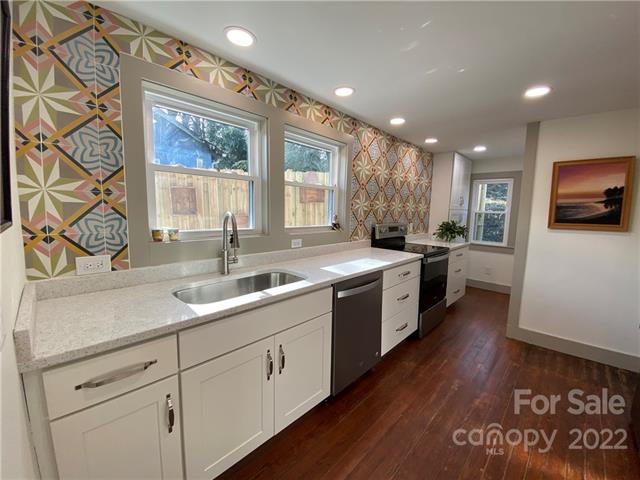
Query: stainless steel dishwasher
column 357, row 328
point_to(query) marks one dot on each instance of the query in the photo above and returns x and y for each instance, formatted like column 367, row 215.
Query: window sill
column 214, row 238
column 484, row 247
column 309, row 230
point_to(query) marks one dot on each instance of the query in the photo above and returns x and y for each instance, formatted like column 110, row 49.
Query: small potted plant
column 450, row 230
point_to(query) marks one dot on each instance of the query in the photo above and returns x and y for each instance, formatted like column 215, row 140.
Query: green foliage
column 450, row 230
column 302, row 158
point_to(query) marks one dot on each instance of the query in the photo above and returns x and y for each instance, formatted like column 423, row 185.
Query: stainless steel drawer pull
column 357, row 290
column 403, row 297
column 269, row 364
column 116, row 375
column 456, row 291
column 282, row 360
column 458, row 270
column 402, row 327
column 404, row 274
column 171, row 416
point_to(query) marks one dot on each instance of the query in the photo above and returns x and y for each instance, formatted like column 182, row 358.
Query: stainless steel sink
column 217, row 291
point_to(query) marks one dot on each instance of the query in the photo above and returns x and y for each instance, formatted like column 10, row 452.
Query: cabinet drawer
column 87, row 382
column 399, row 327
column 457, row 270
column 396, row 275
column 205, row 342
column 458, row 255
column 455, row 289
column 398, row 297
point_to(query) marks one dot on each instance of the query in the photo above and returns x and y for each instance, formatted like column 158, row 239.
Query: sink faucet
column 226, row 242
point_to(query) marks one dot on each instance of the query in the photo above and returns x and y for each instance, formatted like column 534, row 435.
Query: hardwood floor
column 397, row 422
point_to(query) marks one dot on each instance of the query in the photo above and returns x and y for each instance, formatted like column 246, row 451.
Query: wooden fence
column 195, row 202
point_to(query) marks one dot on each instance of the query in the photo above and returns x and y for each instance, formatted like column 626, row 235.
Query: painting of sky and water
column 591, row 193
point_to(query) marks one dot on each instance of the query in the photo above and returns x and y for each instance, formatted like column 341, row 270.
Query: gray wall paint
column 515, row 205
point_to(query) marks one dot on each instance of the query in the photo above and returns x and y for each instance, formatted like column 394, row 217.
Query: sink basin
column 215, row 292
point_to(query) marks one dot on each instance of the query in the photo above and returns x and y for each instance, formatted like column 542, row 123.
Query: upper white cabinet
column 136, row 435
column 450, row 189
column 303, row 370
column 227, row 408
column 460, row 183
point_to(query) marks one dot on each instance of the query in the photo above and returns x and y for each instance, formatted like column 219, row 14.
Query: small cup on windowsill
column 158, row 234
column 173, row 234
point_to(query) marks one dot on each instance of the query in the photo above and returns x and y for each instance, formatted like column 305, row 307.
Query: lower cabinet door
column 303, row 369
column 227, row 408
column 128, row 437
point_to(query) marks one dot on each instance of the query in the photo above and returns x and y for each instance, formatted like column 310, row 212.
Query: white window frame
column 475, row 211
column 337, row 175
column 256, row 125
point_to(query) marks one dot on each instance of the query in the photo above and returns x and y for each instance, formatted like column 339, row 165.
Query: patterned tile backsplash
column 69, row 134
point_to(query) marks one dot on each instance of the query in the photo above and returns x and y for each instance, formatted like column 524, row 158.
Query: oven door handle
column 438, row 258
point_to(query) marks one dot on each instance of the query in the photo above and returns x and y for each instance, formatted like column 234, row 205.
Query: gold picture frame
column 593, row 194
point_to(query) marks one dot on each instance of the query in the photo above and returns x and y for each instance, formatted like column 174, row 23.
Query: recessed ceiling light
column 537, row 91
column 240, row 36
column 344, row 91
column 397, row 121
column 479, row 148
column 431, row 140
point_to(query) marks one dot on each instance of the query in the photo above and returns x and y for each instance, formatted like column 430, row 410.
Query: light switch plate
column 296, row 242
column 94, row 264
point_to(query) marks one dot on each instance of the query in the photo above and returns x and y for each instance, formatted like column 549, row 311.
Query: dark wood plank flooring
column 397, row 422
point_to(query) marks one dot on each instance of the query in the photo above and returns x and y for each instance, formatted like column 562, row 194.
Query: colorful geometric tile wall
column 69, row 134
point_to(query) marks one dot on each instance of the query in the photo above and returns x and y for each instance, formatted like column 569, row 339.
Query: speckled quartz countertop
column 72, row 327
column 427, row 240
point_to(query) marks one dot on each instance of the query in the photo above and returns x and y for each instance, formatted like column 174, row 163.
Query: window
column 491, row 209
column 311, row 174
column 202, row 160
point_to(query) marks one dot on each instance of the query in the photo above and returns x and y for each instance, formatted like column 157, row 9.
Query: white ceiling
column 456, row 71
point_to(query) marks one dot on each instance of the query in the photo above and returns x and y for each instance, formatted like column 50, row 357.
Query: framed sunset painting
column 592, row 194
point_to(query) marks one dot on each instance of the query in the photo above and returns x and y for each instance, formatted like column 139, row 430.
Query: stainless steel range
column 433, row 286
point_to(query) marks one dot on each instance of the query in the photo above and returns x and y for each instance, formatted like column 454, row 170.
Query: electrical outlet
column 95, row 264
column 488, row 271
column 296, row 242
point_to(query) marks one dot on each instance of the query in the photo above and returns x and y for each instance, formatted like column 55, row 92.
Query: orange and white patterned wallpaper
column 69, row 134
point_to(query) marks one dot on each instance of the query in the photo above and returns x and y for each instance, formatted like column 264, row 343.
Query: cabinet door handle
column 456, row 291
column 458, row 270
column 282, row 360
column 116, row 375
column 269, row 365
column 403, row 297
column 399, row 329
column 404, row 274
column 459, row 254
column 171, row 420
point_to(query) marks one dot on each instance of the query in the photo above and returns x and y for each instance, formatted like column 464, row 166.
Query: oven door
column 434, row 280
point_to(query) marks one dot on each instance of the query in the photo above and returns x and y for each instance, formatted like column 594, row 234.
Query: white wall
column 491, row 267
column 506, row 164
column 16, row 458
column 579, row 285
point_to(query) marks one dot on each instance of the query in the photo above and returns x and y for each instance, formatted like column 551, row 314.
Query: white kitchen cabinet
column 303, row 370
column 234, row 403
column 460, row 183
column 457, row 274
column 451, row 183
column 400, row 304
column 228, row 408
column 126, row 437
